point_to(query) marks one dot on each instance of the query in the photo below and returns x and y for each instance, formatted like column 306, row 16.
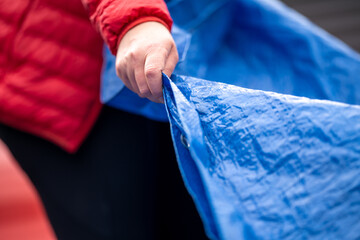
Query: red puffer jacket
column 51, row 60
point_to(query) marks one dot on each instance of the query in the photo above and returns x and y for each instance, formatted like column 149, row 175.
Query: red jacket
column 51, row 60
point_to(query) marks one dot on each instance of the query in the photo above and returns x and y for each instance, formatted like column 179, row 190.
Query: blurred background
column 22, row 216
column 340, row 18
column 21, row 213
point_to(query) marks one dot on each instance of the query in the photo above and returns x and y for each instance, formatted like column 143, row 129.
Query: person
column 101, row 173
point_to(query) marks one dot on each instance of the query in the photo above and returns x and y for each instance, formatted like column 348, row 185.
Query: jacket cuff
column 113, row 18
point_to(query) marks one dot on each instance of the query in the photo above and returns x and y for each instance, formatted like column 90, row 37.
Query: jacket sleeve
column 113, row 18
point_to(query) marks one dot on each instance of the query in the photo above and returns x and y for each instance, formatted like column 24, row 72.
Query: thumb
column 154, row 65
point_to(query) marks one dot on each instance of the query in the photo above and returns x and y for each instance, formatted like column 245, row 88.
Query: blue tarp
column 262, row 165
column 264, row 159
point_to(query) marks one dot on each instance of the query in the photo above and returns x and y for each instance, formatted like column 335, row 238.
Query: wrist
column 138, row 22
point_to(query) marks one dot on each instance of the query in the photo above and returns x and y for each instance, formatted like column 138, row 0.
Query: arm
column 138, row 32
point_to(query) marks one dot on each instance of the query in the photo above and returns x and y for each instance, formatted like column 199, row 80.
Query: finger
column 132, row 80
column 128, row 68
column 154, row 65
column 127, row 83
column 171, row 62
column 142, row 85
column 120, row 70
column 170, row 65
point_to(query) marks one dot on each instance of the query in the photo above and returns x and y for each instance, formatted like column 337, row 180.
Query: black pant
column 123, row 183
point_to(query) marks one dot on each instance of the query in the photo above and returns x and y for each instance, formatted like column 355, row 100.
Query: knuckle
column 152, row 72
column 144, row 92
column 131, row 54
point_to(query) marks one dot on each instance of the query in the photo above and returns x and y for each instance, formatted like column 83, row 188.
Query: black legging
column 123, row 183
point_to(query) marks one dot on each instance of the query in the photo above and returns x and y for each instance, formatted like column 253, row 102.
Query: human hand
column 144, row 52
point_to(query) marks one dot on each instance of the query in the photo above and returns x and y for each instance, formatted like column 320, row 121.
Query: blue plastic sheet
column 262, row 165
column 262, row 159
